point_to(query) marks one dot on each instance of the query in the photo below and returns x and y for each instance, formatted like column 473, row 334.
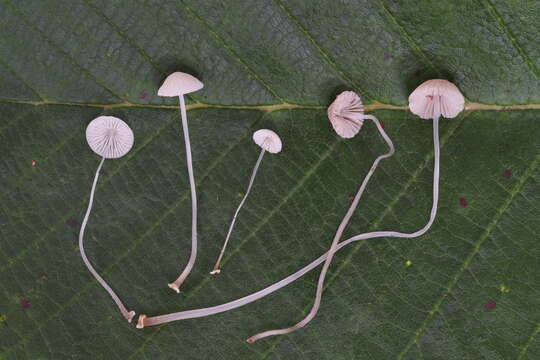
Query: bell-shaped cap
column 109, row 137
column 268, row 140
column 179, row 83
column 436, row 97
column 346, row 114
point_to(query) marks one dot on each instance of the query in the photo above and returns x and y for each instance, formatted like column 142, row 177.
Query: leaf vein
column 233, row 53
column 497, row 16
column 323, row 52
column 53, row 45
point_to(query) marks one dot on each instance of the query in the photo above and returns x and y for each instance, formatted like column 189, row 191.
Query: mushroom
column 268, row 141
column 179, row 84
column 346, row 114
column 110, row 138
column 451, row 109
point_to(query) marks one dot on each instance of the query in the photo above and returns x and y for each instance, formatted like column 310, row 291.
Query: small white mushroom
column 346, row 114
column 268, row 141
column 110, row 138
column 436, row 98
column 179, row 84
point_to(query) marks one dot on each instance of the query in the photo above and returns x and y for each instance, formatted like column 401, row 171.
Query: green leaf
column 471, row 288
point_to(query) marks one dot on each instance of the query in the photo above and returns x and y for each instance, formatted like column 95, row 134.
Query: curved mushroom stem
column 127, row 314
column 337, row 237
column 216, row 270
column 178, row 282
column 433, row 214
column 196, row 313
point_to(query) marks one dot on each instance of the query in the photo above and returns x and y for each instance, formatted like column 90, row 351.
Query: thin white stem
column 196, row 313
column 216, row 270
column 178, row 282
column 335, row 241
column 127, row 314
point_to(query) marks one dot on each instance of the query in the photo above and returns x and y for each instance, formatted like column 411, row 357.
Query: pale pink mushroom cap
column 179, row 83
column 346, row 114
column 436, row 97
column 268, row 140
column 109, row 137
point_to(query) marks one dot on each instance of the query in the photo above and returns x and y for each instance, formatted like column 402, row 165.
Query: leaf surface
column 471, row 289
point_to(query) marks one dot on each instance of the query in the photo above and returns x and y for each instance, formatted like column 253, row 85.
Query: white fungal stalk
column 193, row 256
column 110, row 138
column 268, row 141
column 216, row 270
column 127, row 314
column 179, row 84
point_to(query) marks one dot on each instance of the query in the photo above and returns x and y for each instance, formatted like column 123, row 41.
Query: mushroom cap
column 109, row 137
column 267, row 140
column 179, row 83
column 436, row 97
column 346, row 114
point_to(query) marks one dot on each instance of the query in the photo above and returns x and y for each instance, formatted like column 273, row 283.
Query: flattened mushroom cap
column 346, row 114
column 179, row 83
column 436, row 97
column 109, row 137
column 268, row 140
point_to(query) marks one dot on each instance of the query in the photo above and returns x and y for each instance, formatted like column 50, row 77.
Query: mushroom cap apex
column 436, row 97
column 109, row 137
column 267, row 140
column 179, row 83
column 346, row 114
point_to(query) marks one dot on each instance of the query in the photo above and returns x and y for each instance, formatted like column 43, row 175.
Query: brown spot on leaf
column 25, row 303
column 72, row 223
column 489, row 306
column 507, row 173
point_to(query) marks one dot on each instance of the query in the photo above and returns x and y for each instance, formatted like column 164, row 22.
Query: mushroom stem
column 433, row 214
column 127, row 314
column 216, row 270
column 196, row 313
column 337, row 237
column 178, row 282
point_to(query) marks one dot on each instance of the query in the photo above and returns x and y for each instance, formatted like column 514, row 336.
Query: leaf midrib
column 469, row 106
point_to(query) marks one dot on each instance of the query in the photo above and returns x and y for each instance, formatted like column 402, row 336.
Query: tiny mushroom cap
column 267, row 140
column 109, row 137
column 436, row 97
column 346, row 114
column 179, row 83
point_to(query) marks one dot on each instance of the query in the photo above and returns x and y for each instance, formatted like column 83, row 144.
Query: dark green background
column 63, row 63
